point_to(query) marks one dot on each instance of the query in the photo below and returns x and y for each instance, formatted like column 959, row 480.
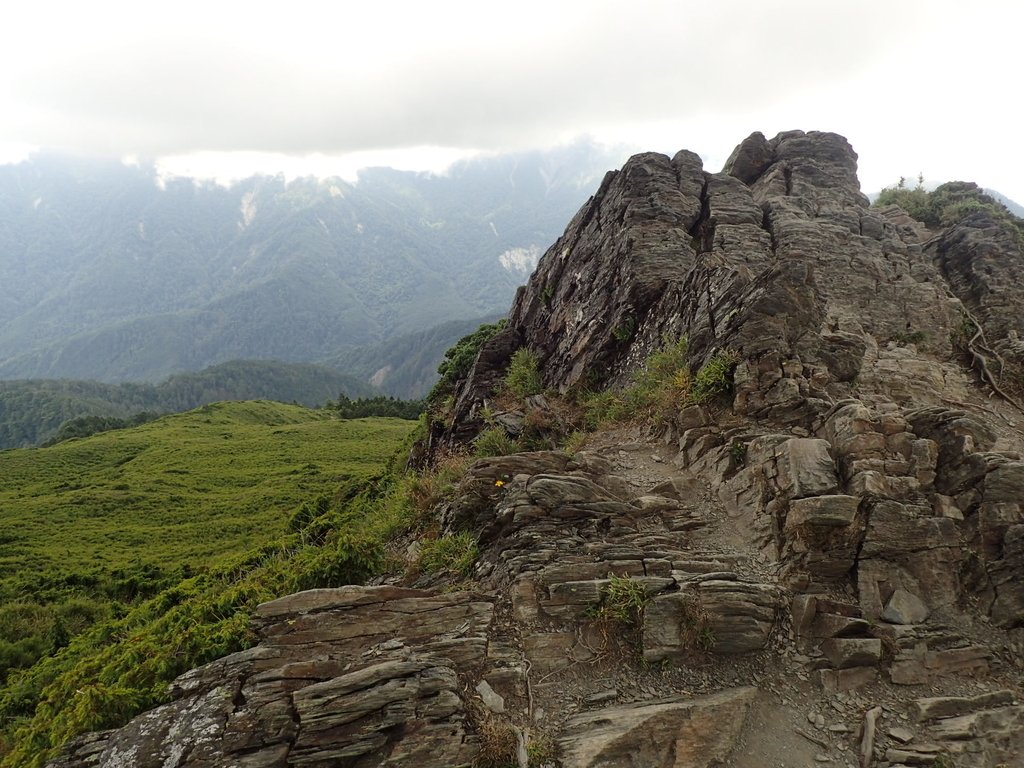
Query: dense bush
column 949, row 204
column 661, row 387
column 523, row 376
column 381, row 405
column 459, row 359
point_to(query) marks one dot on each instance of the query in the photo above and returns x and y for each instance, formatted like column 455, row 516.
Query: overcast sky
column 230, row 88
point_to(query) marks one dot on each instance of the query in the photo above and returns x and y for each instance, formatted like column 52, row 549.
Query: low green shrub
column 624, row 331
column 909, row 337
column 949, row 204
column 657, row 390
column 523, row 376
column 715, row 376
column 459, row 359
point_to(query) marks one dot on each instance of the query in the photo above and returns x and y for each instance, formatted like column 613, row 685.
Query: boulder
column 805, row 468
column 905, row 608
column 846, row 652
column 750, row 159
column 718, row 615
column 681, row 733
column 823, row 511
column 934, row 708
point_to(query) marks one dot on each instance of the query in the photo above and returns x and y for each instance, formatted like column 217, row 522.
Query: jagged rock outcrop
column 778, row 258
column 357, row 676
column 829, row 565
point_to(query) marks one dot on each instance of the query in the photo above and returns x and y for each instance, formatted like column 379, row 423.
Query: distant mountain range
column 108, row 272
column 1015, row 208
column 406, row 366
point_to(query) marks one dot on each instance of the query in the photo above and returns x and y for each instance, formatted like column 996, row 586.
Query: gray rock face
column 725, row 616
column 777, row 258
column 688, row 733
column 805, row 468
column 985, row 268
column 823, row 512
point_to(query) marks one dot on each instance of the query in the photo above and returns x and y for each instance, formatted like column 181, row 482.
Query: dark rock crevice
column 703, row 230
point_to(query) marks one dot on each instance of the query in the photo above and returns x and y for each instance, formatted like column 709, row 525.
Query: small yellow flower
column 499, row 483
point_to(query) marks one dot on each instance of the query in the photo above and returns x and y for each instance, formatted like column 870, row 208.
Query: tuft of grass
column 547, row 294
column 623, row 600
column 715, row 376
column 430, row 487
column 494, row 442
column 606, row 407
column 541, row 750
column 523, row 376
column 697, row 632
column 661, row 387
column 909, row 337
column 624, row 331
column 452, row 554
column 738, row 452
column 574, row 442
column 498, row 743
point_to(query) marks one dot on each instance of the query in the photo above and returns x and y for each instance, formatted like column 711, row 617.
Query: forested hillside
column 33, row 411
column 405, row 366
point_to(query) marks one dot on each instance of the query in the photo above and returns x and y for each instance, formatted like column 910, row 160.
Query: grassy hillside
column 33, row 411
column 91, row 527
column 190, row 488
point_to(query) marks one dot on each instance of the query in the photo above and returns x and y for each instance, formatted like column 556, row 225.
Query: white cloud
column 914, row 85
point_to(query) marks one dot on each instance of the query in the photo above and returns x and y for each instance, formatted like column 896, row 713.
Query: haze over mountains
column 108, row 272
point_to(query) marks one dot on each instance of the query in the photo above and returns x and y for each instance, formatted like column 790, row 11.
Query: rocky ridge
column 832, row 565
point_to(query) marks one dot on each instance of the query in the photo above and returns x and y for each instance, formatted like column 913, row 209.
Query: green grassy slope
column 192, row 488
column 96, row 533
